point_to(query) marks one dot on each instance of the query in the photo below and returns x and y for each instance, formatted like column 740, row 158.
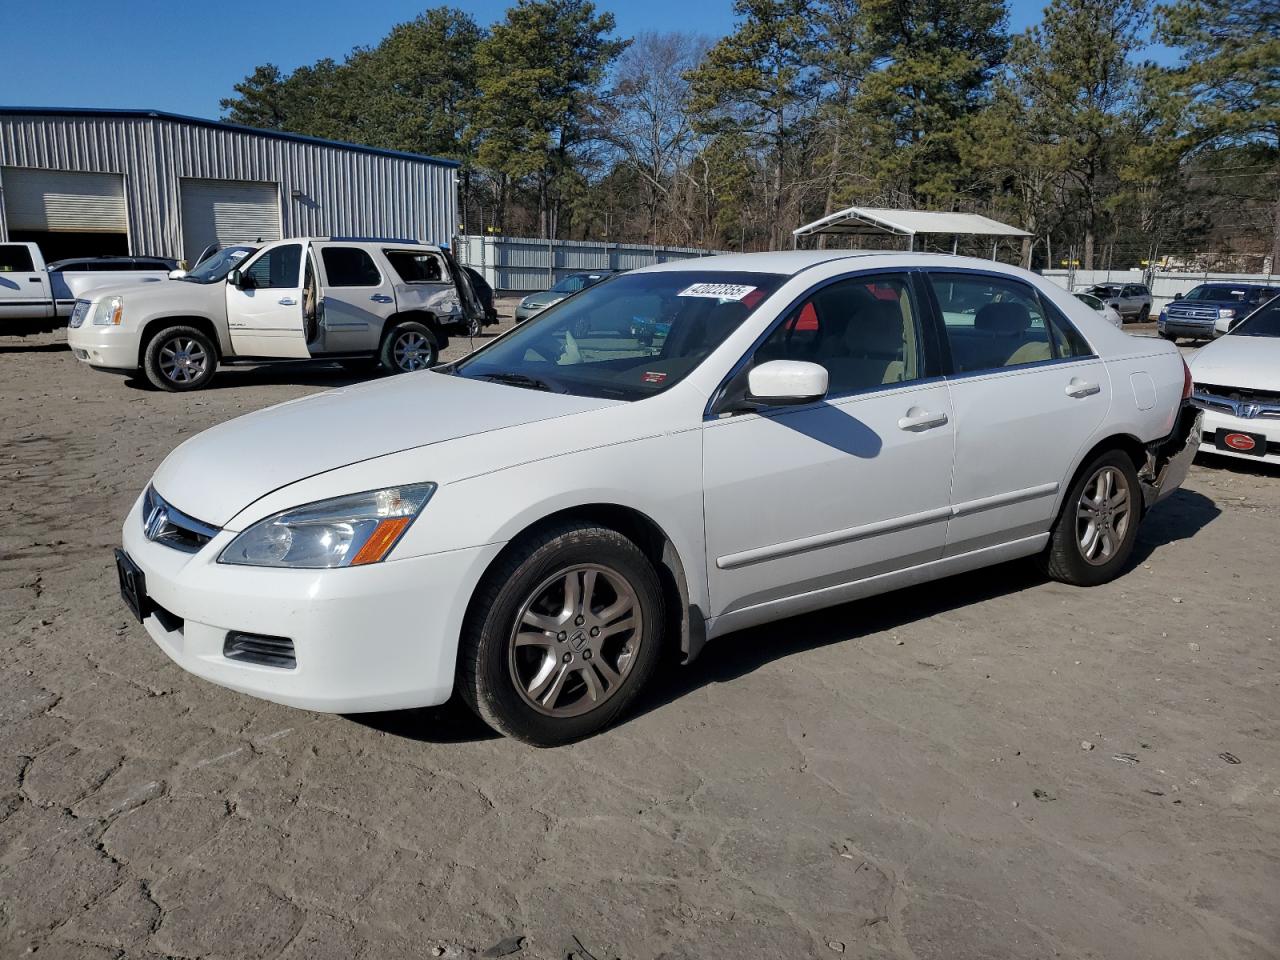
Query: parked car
column 535, row 303
column 1108, row 311
column 1131, row 300
column 1237, row 382
column 32, row 290
column 352, row 300
column 484, row 293
column 584, row 506
column 1208, row 310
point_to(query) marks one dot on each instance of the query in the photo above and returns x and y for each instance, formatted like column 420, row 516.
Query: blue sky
column 184, row 57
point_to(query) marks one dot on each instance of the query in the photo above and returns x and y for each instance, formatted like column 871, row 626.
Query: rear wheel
column 410, row 346
column 562, row 635
column 180, row 358
column 1144, row 314
column 1096, row 529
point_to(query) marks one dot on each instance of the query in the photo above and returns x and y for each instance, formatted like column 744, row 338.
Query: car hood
column 1239, row 361
column 543, row 299
column 216, row 474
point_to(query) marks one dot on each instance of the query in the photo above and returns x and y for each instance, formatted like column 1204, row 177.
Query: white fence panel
column 520, row 264
column 1164, row 284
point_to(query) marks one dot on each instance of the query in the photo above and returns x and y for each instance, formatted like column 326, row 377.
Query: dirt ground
column 991, row 766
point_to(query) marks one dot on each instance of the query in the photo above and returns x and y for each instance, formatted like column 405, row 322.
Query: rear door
column 24, row 285
column 265, row 313
column 1028, row 395
column 357, row 298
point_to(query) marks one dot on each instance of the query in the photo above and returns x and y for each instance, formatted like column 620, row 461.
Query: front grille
column 260, row 649
column 1239, row 402
column 1192, row 314
column 78, row 313
column 165, row 524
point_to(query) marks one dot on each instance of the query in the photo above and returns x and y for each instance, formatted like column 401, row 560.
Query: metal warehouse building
column 141, row 182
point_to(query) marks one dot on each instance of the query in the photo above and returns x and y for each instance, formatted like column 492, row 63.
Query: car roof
column 792, row 262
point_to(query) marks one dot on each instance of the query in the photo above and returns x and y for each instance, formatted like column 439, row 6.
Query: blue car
column 1211, row 309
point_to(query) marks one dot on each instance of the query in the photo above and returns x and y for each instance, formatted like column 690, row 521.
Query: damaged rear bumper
column 1169, row 460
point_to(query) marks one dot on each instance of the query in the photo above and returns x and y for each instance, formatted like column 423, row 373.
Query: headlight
column 343, row 532
column 109, row 312
column 1225, row 313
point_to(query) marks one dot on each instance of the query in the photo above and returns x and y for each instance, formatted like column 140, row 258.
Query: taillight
column 1186, row 380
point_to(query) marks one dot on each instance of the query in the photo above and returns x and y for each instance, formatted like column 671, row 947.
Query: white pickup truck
column 32, row 290
column 359, row 301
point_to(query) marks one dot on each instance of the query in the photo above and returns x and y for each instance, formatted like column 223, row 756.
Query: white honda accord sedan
column 663, row 458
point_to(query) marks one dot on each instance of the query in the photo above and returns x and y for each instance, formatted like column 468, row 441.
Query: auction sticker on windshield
column 717, row 291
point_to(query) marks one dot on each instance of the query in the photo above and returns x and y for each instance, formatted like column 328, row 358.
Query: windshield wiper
column 518, row 380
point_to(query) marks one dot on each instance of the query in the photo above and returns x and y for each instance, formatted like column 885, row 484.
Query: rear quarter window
column 15, row 259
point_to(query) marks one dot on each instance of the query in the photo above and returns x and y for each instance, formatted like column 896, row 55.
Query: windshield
column 219, row 265
column 574, row 283
column 1263, row 322
column 627, row 338
column 1222, row 293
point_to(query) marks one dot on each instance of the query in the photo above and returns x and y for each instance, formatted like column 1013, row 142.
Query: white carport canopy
column 875, row 222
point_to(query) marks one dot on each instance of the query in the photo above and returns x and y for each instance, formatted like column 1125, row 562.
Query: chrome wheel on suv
column 408, row 347
column 180, row 358
column 183, row 360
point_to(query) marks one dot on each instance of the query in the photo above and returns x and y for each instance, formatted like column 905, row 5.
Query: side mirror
column 245, row 281
column 787, row 383
column 177, row 274
column 1177, row 296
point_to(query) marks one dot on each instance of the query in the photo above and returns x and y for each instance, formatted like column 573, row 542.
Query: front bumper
column 1199, row 329
column 380, row 637
column 524, row 313
column 111, row 347
column 1268, row 427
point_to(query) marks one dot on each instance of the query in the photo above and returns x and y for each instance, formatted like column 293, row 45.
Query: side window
column 864, row 330
column 991, row 322
column 1067, row 341
column 278, row 267
column 350, row 267
column 15, row 259
column 414, row 267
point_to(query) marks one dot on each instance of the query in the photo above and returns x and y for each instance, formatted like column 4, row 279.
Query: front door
column 357, row 299
column 802, row 501
column 24, row 289
column 1028, row 395
column 265, row 311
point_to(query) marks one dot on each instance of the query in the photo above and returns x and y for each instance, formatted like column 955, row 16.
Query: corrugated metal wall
column 525, row 263
column 343, row 192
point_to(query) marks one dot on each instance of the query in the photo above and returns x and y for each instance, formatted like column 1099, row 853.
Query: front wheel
column 410, row 346
column 1094, row 535
column 1144, row 314
column 562, row 635
column 180, row 358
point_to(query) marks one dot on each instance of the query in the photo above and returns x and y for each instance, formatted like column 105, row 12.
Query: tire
column 567, row 671
column 409, row 346
column 179, row 359
column 1075, row 556
column 1144, row 314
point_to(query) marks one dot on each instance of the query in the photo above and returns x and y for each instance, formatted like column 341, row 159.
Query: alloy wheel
column 1103, row 515
column 412, row 352
column 575, row 640
column 183, row 360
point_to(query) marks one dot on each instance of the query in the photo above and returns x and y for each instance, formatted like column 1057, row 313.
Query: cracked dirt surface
column 898, row 778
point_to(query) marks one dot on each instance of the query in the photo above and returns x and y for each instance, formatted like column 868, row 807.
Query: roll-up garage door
column 226, row 212
column 58, row 201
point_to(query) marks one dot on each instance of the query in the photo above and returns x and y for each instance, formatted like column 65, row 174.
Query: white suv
column 354, row 300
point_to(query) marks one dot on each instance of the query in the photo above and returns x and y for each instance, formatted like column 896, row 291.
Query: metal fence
column 1162, row 283
column 521, row 264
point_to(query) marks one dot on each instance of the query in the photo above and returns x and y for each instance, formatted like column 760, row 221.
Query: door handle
column 287, row 302
column 33, row 279
column 1079, row 389
column 917, row 420
column 380, row 298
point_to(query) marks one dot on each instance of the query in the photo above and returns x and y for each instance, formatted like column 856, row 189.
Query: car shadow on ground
column 302, row 374
column 735, row 655
column 58, row 346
